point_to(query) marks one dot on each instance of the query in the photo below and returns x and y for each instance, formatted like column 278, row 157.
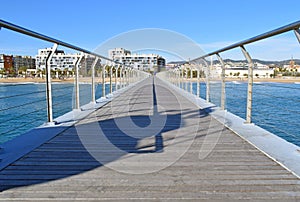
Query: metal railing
column 275, row 105
column 118, row 75
column 199, row 64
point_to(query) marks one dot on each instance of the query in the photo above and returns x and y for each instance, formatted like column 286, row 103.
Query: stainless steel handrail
column 283, row 29
column 28, row 32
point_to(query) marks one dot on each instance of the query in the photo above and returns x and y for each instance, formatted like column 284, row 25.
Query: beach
column 40, row 80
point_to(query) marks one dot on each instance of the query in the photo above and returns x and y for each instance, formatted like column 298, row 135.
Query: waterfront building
column 22, row 63
column 6, row 64
column 146, row 62
column 60, row 60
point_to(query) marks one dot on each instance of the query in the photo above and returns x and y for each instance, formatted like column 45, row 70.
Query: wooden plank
column 62, row 169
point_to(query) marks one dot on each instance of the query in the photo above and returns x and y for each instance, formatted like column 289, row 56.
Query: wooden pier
column 192, row 158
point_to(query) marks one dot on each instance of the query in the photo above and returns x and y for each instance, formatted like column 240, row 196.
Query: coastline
column 99, row 79
column 40, row 80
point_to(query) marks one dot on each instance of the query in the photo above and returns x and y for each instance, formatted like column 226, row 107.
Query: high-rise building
column 26, row 62
column 139, row 61
column 60, row 60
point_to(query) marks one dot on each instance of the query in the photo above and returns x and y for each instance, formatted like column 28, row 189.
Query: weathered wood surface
column 63, row 170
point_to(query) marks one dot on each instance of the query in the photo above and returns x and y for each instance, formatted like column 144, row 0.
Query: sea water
column 276, row 106
column 23, row 106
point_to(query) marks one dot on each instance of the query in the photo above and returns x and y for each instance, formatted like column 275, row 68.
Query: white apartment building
column 138, row 61
column 60, row 59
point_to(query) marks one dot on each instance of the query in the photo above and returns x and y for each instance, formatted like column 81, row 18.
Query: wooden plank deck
column 148, row 162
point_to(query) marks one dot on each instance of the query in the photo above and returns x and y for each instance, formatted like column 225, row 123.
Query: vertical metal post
column 121, row 76
column 182, row 75
column 103, row 81
column 110, row 79
column 93, row 79
column 191, row 82
column 48, row 84
column 223, row 87
column 77, row 62
column 198, row 82
column 250, row 84
column 207, row 80
column 116, row 77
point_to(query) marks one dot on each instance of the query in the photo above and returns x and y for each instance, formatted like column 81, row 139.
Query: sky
column 209, row 24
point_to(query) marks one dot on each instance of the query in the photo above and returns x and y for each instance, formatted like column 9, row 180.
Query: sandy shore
column 275, row 80
column 98, row 79
column 39, row 80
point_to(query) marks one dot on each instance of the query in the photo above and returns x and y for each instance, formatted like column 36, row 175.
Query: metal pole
column 198, row 83
column 103, row 81
column 207, row 81
column 250, row 84
column 93, row 79
column 77, row 62
column 110, row 79
column 223, row 87
column 48, row 84
column 116, row 77
column 191, row 82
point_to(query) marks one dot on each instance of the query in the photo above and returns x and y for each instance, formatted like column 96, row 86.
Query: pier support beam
column 48, row 85
column 223, row 85
column 250, row 85
column 77, row 62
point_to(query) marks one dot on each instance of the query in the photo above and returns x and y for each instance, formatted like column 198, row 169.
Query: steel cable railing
column 23, row 109
column 243, row 100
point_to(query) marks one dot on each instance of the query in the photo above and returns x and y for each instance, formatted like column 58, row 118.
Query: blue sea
column 276, row 106
column 23, row 106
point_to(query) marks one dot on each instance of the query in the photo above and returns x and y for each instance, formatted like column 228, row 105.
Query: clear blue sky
column 211, row 24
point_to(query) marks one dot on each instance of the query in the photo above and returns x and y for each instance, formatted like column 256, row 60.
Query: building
column 146, row 62
column 6, row 64
column 21, row 63
column 60, row 60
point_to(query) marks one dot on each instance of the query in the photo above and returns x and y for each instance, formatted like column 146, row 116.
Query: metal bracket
column 297, row 33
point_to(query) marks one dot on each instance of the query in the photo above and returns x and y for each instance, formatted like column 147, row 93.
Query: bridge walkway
column 150, row 143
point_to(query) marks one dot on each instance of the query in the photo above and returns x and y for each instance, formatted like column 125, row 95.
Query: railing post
column 198, row 82
column 207, row 81
column 116, row 77
column 110, row 79
column 182, row 77
column 93, row 79
column 77, row 62
column 191, row 82
column 223, row 87
column 103, row 81
column 48, row 84
column 250, row 84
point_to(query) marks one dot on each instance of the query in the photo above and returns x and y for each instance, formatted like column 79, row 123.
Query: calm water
column 23, row 106
column 276, row 106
